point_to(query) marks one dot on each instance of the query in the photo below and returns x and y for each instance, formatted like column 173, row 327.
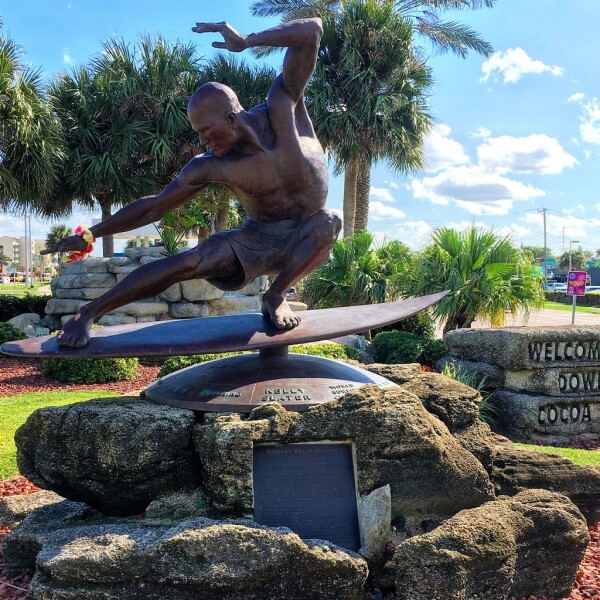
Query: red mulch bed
column 22, row 375
column 18, row 376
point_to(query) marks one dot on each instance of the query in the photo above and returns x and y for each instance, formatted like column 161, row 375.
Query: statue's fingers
column 208, row 27
column 219, row 45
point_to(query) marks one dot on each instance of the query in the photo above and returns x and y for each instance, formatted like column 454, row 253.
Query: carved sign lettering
column 555, row 414
column 588, row 381
column 582, row 351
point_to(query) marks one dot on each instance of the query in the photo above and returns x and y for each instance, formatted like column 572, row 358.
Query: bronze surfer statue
column 270, row 157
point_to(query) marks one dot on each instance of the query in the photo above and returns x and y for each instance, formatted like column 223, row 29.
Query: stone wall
column 546, row 379
column 80, row 282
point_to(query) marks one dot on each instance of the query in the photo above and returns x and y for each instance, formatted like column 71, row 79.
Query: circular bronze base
column 241, row 383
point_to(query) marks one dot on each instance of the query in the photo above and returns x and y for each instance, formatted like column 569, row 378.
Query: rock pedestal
column 547, row 380
column 169, row 501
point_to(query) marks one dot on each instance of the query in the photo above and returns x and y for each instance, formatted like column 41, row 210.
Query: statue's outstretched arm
column 143, row 211
column 301, row 37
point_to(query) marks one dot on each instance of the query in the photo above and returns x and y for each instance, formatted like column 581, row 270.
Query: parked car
column 292, row 294
column 556, row 286
column 17, row 276
column 47, row 277
column 592, row 289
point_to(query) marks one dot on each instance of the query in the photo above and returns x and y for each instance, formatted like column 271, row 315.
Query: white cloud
column 380, row 211
column 67, row 58
column 382, row 193
column 513, row 64
column 441, row 151
column 494, row 192
column 537, row 153
column 578, row 97
column 481, row 132
column 415, row 234
column 496, row 208
column 590, row 122
column 392, row 184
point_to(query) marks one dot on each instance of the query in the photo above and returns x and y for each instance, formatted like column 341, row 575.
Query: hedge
column 13, row 306
column 334, row 351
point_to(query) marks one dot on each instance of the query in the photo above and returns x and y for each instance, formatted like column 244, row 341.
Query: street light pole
column 571, row 242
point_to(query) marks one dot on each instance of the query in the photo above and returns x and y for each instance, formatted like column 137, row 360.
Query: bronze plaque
column 308, row 488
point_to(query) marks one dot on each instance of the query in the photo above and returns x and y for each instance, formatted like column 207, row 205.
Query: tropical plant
column 124, row 119
column 576, row 260
column 487, row 276
column 57, row 232
column 368, row 95
column 4, row 261
column 358, row 272
column 30, row 137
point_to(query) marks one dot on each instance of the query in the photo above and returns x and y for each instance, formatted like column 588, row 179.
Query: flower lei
column 88, row 236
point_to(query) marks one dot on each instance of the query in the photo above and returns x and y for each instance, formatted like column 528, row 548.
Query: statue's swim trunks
column 261, row 249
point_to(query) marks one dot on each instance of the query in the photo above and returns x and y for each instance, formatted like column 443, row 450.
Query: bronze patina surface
column 241, row 383
column 223, row 334
column 309, row 488
column 271, row 160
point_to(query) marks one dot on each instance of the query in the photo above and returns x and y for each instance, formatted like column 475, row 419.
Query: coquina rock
column 515, row 470
column 116, row 455
column 397, row 442
column 531, row 544
column 80, row 557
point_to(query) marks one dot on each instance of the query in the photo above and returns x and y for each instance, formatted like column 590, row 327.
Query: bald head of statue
column 213, row 112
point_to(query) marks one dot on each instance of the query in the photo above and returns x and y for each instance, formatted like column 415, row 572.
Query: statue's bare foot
column 75, row 332
column 275, row 308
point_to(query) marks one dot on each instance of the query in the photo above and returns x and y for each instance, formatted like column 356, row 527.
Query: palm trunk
column 108, row 241
column 459, row 321
column 222, row 214
column 363, row 186
column 350, row 176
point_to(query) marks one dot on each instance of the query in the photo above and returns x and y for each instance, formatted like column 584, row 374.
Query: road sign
column 576, row 283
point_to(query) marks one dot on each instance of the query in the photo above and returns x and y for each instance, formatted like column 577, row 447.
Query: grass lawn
column 580, row 457
column 19, row 289
column 14, row 411
column 594, row 310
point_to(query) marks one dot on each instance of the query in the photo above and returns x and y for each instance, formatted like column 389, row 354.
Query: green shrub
column 488, row 413
column 10, row 333
column 393, row 347
column 420, row 324
column 91, row 370
column 13, row 306
column 335, row 351
column 181, row 362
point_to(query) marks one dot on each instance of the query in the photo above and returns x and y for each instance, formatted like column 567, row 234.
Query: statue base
column 241, row 383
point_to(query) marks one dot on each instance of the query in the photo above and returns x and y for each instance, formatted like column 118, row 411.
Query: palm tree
column 486, row 274
column 364, row 23
column 358, row 272
column 369, row 97
column 30, row 140
column 57, row 232
column 4, row 261
column 124, row 119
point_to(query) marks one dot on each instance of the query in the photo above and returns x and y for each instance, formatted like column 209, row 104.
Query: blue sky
column 517, row 132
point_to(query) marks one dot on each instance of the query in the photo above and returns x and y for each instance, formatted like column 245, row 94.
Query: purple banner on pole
column 576, row 283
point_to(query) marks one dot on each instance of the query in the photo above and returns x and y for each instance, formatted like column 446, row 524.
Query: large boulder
column 13, row 509
column 117, row 455
column 457, row 405
column 515, row 470
column 81, row 558
column 397, row 442
column 531, row 544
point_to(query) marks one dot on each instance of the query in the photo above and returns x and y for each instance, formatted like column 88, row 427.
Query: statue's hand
column 68, row 244
column 234, row 40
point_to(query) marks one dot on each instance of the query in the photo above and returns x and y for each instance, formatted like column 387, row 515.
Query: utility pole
column 543, row 211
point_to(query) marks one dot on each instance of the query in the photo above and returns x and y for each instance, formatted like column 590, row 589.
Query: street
column 549, row 317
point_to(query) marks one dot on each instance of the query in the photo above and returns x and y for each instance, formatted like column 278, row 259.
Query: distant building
column 14, row 248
